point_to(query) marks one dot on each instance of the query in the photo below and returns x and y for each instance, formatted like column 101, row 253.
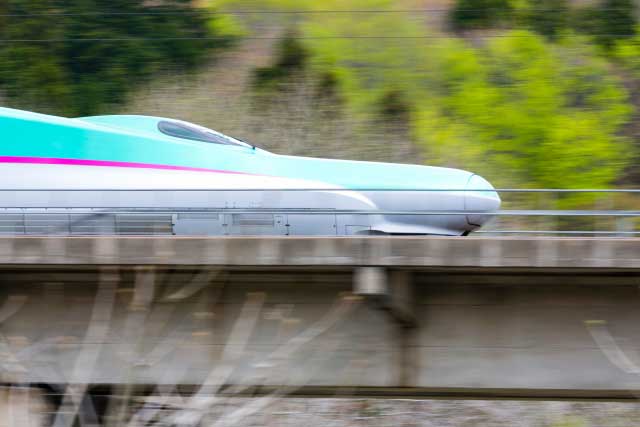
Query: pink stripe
column 109, row 163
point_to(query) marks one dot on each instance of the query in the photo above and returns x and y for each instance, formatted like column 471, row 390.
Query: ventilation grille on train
column 265, row 220
column 86, row 224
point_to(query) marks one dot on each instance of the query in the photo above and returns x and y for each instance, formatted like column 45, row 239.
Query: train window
column 192, row 132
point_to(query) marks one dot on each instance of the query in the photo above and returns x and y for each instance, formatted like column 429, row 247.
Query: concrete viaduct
column 506, row 317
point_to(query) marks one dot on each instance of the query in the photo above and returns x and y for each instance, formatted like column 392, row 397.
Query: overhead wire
column 212, row 38
column 281, row 12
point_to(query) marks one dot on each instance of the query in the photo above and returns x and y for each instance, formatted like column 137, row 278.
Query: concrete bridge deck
column 416, row 252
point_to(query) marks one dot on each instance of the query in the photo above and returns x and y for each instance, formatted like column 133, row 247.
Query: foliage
column 608, row 21
column 520, row 110
column 617, row 21
column 546, row 17
column 78, row 57
column 539, row 112
column 366, row 69
column 530, row 107
column 627, row 53
column 290, row 57
column 530, row 101
column 34, row 73
column 472, row 14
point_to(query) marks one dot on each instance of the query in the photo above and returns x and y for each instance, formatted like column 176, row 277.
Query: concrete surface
column 303, row 328
column 401, row 316
column 449, row 252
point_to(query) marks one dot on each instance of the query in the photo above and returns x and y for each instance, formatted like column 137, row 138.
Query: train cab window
column 192, row 132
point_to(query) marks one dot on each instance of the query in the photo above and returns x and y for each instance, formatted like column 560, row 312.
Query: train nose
column 480, row 196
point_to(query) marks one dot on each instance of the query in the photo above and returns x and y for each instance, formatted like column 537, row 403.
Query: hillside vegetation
column 81, row 57
column 527, row 93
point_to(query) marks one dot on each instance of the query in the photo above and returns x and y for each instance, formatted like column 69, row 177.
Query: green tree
column 546, row 17
column 84, row 56
column 607, row 22
column 540, row 107
column 367, row 69
column 33, row 73
column 617, row 21
column 530, row 113
column 473, row 14
column 291, row 57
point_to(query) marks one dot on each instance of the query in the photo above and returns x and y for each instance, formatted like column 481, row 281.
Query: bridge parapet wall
column 419, row 252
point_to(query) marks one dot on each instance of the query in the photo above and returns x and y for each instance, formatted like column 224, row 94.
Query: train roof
column 137, row 140
column 146, row 126
column 163, row 126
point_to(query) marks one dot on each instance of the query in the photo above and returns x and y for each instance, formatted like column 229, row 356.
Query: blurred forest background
column 527, row 93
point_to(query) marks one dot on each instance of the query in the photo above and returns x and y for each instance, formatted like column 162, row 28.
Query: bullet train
column 128, row 174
